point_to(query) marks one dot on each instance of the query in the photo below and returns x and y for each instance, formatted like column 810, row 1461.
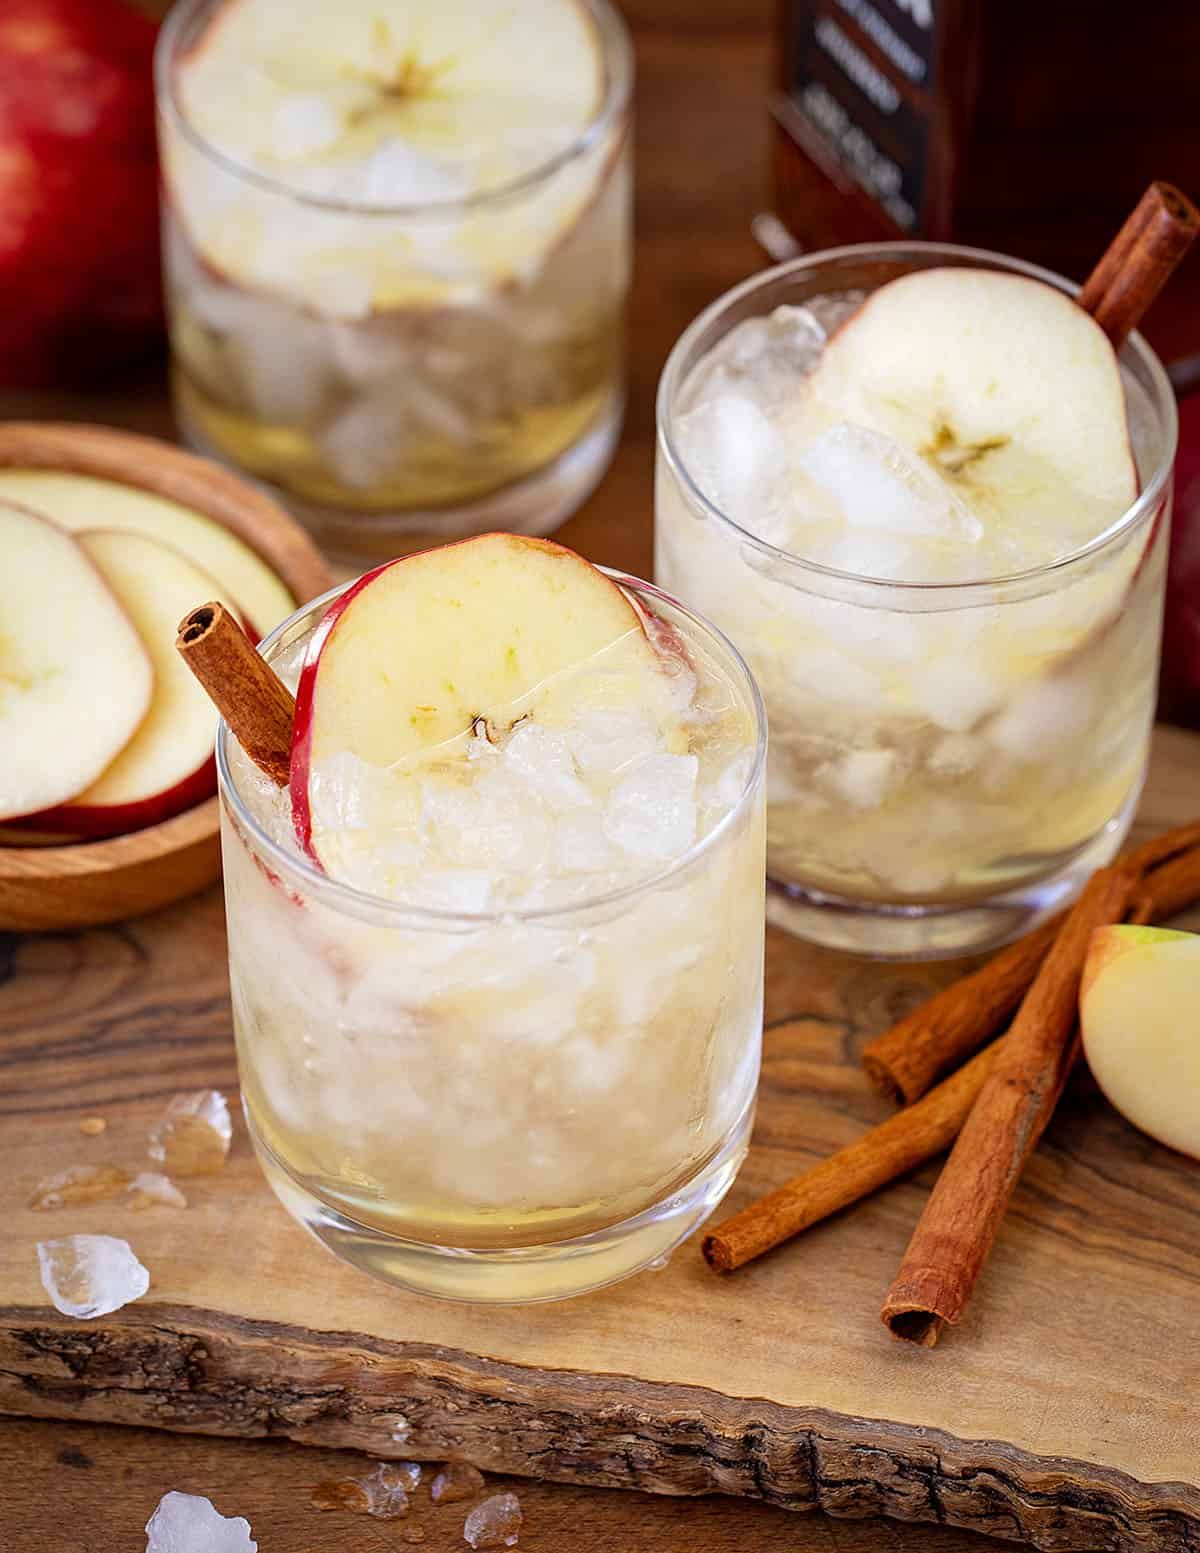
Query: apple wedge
column 411, row 657
column 82, row 502
column 75, row 679
column 167, row 766
column 1141, row 1033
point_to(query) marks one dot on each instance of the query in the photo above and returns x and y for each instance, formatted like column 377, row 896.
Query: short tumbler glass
column 402, row 375
column 948, row 761
column 499, row 1107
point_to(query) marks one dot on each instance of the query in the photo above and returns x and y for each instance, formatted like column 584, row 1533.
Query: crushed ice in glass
column 189, row 1523
column 457, row 1480
column 78, row 1184
column 193, row 1135
column 90, row 1275
column 496, row 1523
column 150, row 1188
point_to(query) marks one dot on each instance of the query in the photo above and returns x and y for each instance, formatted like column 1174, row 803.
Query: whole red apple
column 79, row 266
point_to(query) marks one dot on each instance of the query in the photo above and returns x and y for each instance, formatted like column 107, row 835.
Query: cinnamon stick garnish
column 251, row 699
column 1167, row 889
column 905, row 1061
column 1138, row 262
column 902, row 1143
column 955, row 1233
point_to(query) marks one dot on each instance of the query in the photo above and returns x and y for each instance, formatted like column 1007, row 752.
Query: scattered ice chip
column 79, row 1184
column 189, row 1523
column 652, row 810
column 90, row 1275
column 192, row 1137
column 541, row 758
column 457, row 1480
column 382, row 1493
column 496, row 1523
column 412, row 1534
column 862, row 777
column 92, row 1126
column 149, row 1188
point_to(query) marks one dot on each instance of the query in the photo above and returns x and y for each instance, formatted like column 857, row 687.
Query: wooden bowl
column 48, row 888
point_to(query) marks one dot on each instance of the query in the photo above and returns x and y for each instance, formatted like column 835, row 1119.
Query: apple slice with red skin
column 167, row 766
column 75, row 678
column 416, row 651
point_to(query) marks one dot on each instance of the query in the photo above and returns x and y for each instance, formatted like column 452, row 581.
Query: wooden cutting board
column 1063, row 1410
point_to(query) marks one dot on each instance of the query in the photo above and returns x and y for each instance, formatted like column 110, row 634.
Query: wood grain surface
column 1061, row 1411
column 111, row 1022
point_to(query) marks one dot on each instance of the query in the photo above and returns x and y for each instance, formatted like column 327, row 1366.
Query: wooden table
column 73, row 1488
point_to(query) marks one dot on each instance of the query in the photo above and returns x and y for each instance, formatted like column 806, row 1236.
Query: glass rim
column 617, row 53
column 1145, row 503
column 363, row 904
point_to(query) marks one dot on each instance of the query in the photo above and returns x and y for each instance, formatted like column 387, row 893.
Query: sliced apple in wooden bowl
column 75, row 677
column 423, row 652
column 167, row 765
column 108, row 743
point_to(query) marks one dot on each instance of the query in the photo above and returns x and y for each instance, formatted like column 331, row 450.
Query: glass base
column 535, row 505
column 527, row 1274
column 882, row 932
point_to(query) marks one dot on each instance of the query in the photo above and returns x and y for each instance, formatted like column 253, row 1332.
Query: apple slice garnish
column 81, row 502
column 419, row 651
column 75, row 679
column 167, row 766
column 1003, row 385
column 1140, row 1035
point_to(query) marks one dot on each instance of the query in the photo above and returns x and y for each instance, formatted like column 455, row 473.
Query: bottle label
column 858, row 98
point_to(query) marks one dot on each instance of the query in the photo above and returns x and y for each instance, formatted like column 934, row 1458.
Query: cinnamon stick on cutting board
column 954, row 1236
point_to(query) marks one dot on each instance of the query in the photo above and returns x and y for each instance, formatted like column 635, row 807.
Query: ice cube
column 862, row 777
column 956, row 689
column 467, row 890
column 1047, row 715
column 956, row 754
column 396, row 173
column 90, row 1275
column 764, row 358
column 605, row 740
column 78, row 1184
column 581, row 845
column 193, row 1135
column 651, row 812
column 149, row 1188
column 496, row 1523
column 737, row 458
column 456, row 1481
column 382, row 1493
column 541, row 758
column 189, row 1523
column 876, row 484
column 304, row 123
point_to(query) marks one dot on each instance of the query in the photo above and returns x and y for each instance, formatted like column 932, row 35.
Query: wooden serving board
column 1063, row 1411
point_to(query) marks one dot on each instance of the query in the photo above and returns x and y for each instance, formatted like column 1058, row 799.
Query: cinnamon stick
column 251, row 699
column 902, row 1143
column 955, row 1233
column 906, row 1060
column 1167, row 889
column 1138, row 262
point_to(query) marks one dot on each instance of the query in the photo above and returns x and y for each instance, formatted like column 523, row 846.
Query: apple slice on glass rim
column 167, row 766
column 75, row 677
column 428, row 653
column 403, row 105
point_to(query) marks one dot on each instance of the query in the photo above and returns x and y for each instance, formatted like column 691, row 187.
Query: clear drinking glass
column 947, row 761
column 406, row 374
column 506, row 1106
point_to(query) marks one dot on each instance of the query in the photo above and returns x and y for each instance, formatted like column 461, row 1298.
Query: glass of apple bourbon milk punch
column 496, row 917
column 929, row 502
column 397, row 240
